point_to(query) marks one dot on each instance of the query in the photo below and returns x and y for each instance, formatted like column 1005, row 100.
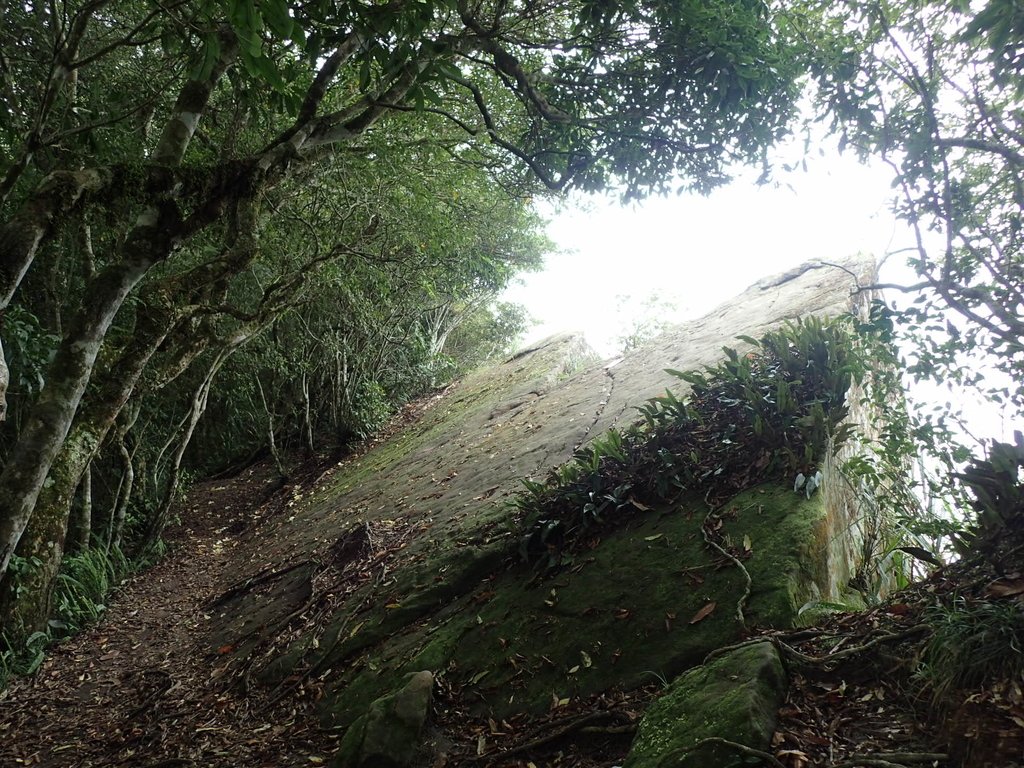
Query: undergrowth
column 973, row 643
column 83, row 586
column 770, row 413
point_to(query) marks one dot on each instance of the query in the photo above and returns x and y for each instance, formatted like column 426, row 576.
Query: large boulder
column 406, row 550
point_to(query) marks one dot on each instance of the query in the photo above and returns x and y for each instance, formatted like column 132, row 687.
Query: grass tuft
column 972, row 644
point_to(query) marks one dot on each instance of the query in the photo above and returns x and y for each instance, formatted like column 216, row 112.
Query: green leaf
column 275, row 14
column 211, row 53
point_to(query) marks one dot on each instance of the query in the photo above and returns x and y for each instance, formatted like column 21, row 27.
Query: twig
column 741, row 748
column 735, row 646
column 565, row 730
column 746, row 574
column 892, row 759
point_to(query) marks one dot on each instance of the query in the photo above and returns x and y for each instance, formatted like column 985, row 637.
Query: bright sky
column 695, row 252
column 692, row 253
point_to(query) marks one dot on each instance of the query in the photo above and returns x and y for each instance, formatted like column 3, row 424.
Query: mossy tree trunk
column 44, row 434
column 80, row 524
column 157, row 230
column 166, row 310
column 44, row 538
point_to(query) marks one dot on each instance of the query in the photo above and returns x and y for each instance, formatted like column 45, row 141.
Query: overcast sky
column 694, row 252
column 691, row 253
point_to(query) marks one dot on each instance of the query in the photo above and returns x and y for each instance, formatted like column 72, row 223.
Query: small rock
column 388, row 734
column 734, row 697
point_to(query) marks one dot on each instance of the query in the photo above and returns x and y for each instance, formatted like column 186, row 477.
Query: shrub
column 773, row 412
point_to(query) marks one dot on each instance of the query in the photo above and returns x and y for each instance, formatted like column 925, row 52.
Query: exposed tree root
column 891, row 760
column 735, row 560
column 743, row 749
column 854, row 651
column 583, row 724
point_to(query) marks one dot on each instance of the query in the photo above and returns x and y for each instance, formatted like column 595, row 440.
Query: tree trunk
column 44, row 536
column 307, row 416
column 47, row 427
column 157, row 231
column 20, row 237
column 155, row 528
column 81, row 524
column 271, row 442
column 5, row 382
column 120, row 510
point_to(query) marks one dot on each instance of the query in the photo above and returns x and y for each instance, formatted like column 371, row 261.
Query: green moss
column 735, row 697
column 387, row 735
column 787, row 563
column 619, row 616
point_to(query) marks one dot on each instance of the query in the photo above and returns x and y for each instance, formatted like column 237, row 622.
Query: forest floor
column 142, row 688
column 145, row 687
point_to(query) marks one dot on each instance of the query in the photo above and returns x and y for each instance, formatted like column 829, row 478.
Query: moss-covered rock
column 439, row 588
column 619, row 616
column 387, row 736
column 735, row 697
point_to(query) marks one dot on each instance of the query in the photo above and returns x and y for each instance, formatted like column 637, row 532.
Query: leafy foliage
column 171, row 180
column 29, row 346
column 931, row 88
column 84, row 586
column 972, row 643
column 773, row 412
column 997, row 484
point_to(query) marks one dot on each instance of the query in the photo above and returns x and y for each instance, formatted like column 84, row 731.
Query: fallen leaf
column 703, row 613
column 1004, row 588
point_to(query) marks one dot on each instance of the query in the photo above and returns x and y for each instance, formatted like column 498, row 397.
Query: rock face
column 401, row 557
column 735, row 697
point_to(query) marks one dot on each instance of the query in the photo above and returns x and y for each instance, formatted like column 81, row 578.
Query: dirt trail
column 143, row 687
